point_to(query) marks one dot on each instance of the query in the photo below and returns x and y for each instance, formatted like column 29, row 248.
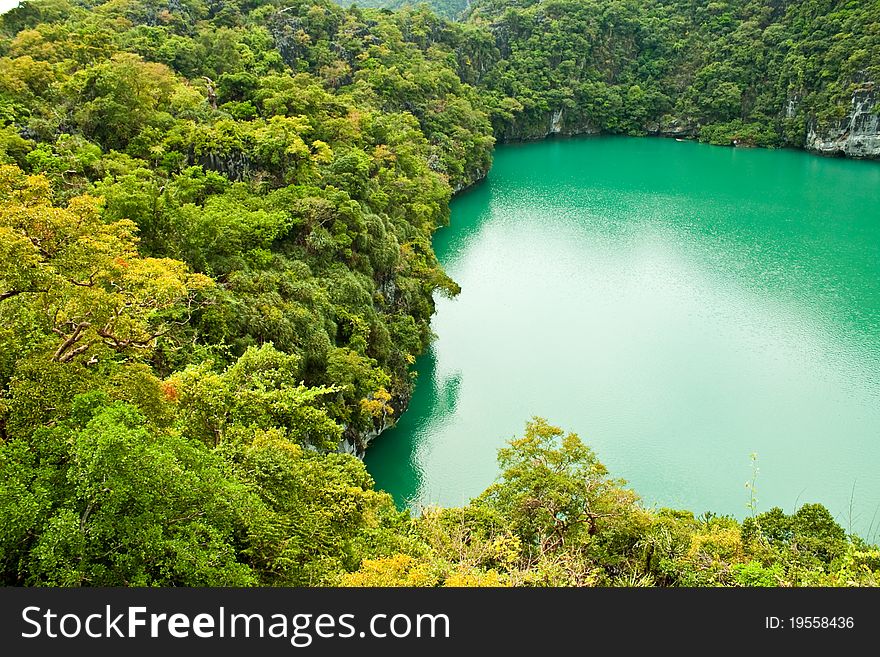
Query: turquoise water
column 678, row 305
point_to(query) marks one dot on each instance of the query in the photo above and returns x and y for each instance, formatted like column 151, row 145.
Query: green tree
column 554, row 490
column 101, row 501
column 80, row 279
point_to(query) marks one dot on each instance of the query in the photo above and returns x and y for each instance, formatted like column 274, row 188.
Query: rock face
column 556, row 122
column 356, row 442
column 559, row 122
column 855, row 135
column 474, row 178
column 673, row 127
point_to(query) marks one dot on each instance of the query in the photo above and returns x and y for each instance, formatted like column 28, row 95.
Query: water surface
column 678, row 305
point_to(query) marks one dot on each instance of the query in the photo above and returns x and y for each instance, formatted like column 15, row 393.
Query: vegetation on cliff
column 757, row 72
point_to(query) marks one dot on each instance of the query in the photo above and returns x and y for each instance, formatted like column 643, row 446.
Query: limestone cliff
column 670, row 126
column 855, row 135
column 473, row 179
column 355, row 442
column 555, row 122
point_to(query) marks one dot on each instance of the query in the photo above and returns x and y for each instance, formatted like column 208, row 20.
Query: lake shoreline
column 673, row 180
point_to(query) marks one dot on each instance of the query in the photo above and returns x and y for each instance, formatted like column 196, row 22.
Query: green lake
column 679, row 306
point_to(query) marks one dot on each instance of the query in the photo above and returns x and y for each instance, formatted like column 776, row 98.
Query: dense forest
column 216, row 273
column 450, row 9
column 754, row 72
column 749, row 72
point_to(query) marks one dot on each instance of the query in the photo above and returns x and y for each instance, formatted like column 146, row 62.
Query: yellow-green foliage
column 474, row 579
column 397, row 570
